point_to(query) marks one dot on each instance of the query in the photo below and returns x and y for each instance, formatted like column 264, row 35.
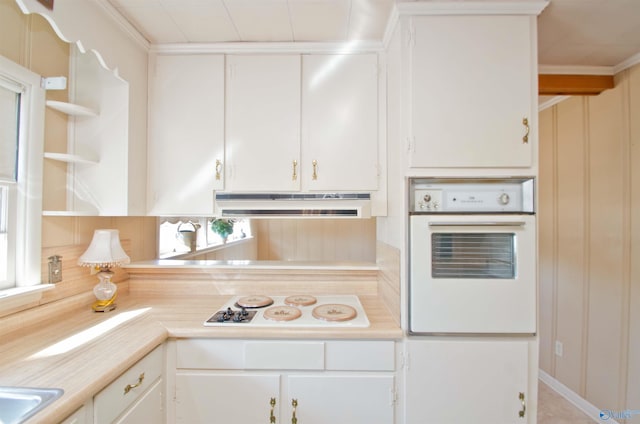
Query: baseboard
column 582, row 404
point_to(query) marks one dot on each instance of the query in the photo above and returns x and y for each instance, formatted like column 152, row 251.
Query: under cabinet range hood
column 293, row 205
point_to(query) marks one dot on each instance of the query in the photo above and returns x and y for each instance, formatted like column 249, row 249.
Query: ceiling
column 583, row 33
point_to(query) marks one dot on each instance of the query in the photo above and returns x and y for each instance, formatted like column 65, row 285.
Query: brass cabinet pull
column 294, row 403
column 130, row 387
column 218, row 169
column 295, row 170
column 525, row 122
column 315, row 170
column 272, row 418
column 524, row 407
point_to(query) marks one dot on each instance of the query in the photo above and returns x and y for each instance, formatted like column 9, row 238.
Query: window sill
column 17, row 297
column 212, row 248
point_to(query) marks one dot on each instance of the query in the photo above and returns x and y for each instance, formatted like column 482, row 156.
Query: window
column 21, row 145
column 171, row 242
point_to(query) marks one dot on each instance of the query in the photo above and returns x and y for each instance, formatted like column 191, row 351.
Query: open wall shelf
column 71, row 109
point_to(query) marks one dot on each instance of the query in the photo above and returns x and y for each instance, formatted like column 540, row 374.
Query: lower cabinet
column 148, row 409
column 468, row 381
column 78, row 417
column 326, row 381
column 136, row 396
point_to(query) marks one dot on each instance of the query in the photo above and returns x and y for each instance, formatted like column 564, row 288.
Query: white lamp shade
column 104, row 251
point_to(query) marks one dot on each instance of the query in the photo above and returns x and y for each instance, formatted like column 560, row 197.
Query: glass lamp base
column 105, row 292
column 98, row 306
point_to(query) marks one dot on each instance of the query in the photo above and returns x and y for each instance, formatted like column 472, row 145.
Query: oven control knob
column 436, row 205
column 427, row 198
column 504, row 199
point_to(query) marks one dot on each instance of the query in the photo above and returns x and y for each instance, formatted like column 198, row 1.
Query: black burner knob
column 244, row 312
column 220, row 317
column 238, row 317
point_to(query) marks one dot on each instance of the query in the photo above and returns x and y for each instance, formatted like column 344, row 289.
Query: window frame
column 25, row 223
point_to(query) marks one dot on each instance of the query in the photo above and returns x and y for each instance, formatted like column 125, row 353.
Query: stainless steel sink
column 17, row 404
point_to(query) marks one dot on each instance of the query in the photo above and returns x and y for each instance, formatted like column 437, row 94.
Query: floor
column 554, row 409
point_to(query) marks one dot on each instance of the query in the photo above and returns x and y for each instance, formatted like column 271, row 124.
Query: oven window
column 473, row 255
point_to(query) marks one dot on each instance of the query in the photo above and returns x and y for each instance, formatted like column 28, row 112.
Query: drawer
column 284, row 355
column 210, row 354
column 374, row 355
column 250, row 354
column 115, row 398
column 335, row 355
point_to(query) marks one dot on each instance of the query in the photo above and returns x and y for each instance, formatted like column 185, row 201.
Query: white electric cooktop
column 339, row 311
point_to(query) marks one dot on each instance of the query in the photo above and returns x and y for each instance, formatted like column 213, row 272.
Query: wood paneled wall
column 589, row 237
column 317, row 239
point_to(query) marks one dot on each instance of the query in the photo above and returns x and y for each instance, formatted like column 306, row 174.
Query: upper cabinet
column 305, row 122
column 340, row 122
column 186, row 133
column 263, row 123
column 260, row 123
column 472, row 91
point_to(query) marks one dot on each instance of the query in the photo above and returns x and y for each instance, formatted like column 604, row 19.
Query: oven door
column 472, row 274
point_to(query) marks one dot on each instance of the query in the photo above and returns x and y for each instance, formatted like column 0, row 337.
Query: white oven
column 472, row 256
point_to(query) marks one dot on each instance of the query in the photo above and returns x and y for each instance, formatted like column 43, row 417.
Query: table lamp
column 103, row 253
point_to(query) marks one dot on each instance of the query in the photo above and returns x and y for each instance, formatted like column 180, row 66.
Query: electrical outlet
column 55, row 269
column 559, row 348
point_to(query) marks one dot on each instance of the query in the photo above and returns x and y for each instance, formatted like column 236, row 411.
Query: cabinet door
column 186, row 133
column 353, row 399
column 340, row 122
column 472, row 83
column 225, row 397
column 263, row 122
column 147, row 410
column 466, row 381
column 78, row 417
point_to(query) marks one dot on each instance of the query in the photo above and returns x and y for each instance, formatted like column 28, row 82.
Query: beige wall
column 316, row 239
column 29, row 41
column 589, row 191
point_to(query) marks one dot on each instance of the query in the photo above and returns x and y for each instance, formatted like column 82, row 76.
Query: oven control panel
column 431, row 195
column 426, row 200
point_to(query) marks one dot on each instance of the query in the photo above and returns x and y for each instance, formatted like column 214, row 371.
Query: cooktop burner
column 256, row 301
column 291, row 311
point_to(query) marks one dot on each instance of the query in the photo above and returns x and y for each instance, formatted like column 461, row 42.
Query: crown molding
column 551, row 102
column 496, row 7
column 263, row 47
column 123, row 24
column 575, row 70
column 626, row 64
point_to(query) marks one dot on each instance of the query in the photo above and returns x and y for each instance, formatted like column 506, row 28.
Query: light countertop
column 253, row 265
column 82, row 352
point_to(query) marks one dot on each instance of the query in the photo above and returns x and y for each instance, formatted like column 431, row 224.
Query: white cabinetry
column 249, row 381
column 318, row 132
column 453, row 381
column 97, row 140
column 340, row 122
column 81, row 416
column 135, row 396
column 473, row 83
column 263, row 123
column 186, row 133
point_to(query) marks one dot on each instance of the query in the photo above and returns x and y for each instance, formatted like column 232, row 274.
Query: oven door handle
column 478, row 224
